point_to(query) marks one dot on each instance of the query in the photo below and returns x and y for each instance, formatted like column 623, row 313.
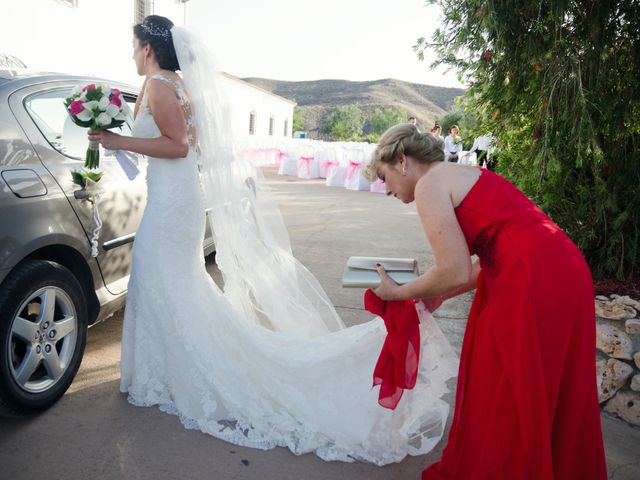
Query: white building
column 94, row 37
column 257, row 112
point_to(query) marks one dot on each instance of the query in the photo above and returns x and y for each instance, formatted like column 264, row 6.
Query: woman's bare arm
column 169, row 117
column 453, row 269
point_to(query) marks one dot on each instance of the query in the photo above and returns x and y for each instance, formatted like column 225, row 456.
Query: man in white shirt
column 483, row 145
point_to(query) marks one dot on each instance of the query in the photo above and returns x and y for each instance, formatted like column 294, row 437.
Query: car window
column 47, row 111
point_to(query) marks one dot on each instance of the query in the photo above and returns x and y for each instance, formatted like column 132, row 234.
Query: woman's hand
column 388, row 289
column 108, row 139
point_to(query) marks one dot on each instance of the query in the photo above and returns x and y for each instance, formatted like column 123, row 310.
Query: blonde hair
column 404, row 139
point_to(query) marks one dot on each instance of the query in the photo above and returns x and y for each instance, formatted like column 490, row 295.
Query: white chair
column 337, row 169
column 327, row 157
column 378, row 187
column 288, row 164
column 467, row 158
column 354, row 179
column 308, row 165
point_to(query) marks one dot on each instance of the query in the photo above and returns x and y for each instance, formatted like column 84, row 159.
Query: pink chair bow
column 280, row 155
column 353, row 168
column 328, row 164
column 308, row 161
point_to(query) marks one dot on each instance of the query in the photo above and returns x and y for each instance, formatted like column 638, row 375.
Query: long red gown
column 526, row 400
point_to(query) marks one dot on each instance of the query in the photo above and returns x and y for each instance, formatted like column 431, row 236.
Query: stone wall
column 618, row 356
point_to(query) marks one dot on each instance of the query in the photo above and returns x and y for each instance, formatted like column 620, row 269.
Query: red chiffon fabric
column 526, row 400
column 397, row 366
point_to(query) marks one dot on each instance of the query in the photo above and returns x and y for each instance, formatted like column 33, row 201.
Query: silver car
column 51, row 288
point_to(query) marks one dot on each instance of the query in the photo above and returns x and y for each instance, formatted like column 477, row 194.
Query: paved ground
column 94, row 433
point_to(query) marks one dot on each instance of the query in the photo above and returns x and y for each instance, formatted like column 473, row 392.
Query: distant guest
column 483, row 146
column 452, row 144
column 413, row 121
column 437, row 131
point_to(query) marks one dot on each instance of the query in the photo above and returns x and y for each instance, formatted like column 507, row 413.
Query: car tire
column 43, row 332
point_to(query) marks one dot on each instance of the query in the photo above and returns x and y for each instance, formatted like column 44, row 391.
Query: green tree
column 344, row 123
column 463, row 116
column 298, row 120
column 383, row 118
column 557, row 83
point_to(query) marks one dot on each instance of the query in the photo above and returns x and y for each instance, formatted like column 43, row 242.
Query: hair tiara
column 154, row 30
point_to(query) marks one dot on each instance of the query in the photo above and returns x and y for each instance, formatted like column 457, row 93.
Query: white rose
column 106, row 91
column 83, row 96
column 103, row 103
column 103, row 119
column 77, row 90
column 120, row 116
column 91, row 105
column 85, row 115
column 112, row 110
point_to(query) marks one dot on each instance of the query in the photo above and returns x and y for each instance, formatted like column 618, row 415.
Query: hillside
column 318, row 98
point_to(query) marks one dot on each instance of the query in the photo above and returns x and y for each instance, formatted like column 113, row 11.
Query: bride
column 267, row 362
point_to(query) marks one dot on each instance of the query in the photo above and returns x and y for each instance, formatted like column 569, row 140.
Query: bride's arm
column 169, row 117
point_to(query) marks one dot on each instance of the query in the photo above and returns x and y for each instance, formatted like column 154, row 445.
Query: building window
column 272, row 122
column 252, row 123
column 141, row 9
column 286, row 127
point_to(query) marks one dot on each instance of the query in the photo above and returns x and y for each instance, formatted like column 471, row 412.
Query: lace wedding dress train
column 194, row 350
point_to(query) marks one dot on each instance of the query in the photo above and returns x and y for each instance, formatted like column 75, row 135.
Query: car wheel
column 43, row 332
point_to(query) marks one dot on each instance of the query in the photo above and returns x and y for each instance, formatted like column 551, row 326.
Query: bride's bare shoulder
column 160, row 89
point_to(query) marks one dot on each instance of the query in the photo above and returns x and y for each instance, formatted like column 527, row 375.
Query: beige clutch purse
column 360, row 272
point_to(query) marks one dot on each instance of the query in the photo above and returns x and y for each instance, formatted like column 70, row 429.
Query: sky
column 279, row 39
column 320, row 39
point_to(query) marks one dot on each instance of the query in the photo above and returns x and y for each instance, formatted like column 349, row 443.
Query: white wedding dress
column 196, row 352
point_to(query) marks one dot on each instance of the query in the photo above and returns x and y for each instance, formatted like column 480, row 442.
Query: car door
column 61, row 146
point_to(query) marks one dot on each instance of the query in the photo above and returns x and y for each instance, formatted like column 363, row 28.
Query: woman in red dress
column 526, row 399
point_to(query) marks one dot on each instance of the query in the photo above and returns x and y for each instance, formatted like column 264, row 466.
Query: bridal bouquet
column 98, row 107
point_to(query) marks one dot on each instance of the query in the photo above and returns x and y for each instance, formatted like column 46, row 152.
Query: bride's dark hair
column 156, row 31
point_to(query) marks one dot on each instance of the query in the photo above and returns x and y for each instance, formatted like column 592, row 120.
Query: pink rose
column 92, row 87
column 115, row 98
column 76, row 107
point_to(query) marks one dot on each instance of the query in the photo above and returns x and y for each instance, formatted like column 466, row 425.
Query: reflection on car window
column 48, row 112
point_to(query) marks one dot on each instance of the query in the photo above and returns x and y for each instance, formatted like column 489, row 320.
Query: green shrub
column 557, row 83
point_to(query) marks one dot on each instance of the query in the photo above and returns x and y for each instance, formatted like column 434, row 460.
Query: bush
column 344, row 123
column 557, row 83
